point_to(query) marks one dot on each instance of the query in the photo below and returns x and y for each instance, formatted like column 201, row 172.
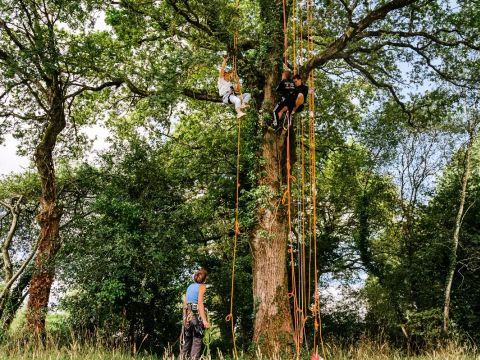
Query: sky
column 10, row 162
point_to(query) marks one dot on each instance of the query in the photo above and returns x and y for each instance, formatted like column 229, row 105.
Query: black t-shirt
column 302, row 89
column 286, row 88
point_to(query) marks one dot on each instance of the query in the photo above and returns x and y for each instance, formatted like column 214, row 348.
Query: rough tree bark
column 49, row 216
column 269, row 245
column 273, row 326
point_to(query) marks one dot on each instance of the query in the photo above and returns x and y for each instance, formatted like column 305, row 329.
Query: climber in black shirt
column 286, row 91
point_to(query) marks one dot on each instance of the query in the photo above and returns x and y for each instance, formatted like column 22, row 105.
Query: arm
column 237, row 87
column 201, row 307
column 277, row 89
column 236, row 84
column 184, row 309
column 222, row 68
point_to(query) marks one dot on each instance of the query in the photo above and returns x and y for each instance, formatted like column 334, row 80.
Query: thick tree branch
column 332, row 50
column 364, row 71
column 191, row 93
column 348, row 10
column 14, row 208
column 198, row 95
column 187, row 16
column 423, row 34
column 83, row 87
column 24, row 116
column 10, row 34
column 19, row 272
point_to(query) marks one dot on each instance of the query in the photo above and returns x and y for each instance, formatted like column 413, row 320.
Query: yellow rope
column 237, row 232
column 237, row 195
column 311, row 84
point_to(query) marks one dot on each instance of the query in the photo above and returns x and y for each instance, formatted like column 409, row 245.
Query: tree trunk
column 456, row 234
column 15, row 299
column 48, row 218
column 273, row 322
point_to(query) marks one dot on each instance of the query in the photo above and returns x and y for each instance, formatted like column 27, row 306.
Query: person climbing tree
column 294, row 102
column 285, row 89
column 194, row 317
column 228, row 90
column 301, row 93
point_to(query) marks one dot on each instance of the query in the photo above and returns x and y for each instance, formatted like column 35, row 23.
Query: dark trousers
column 288, row 102
column 192, row 346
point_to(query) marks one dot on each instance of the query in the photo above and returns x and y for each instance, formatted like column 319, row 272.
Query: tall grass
column 364, row 350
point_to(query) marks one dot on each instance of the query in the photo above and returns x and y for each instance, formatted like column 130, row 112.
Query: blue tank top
column 192, row 293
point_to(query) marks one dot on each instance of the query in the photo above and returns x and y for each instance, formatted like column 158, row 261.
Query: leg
column 196, row 351
column 275, row 114
column 282, row 111
column 237, row 102
column 188, row 342
column 279, row 110
column 245, row 99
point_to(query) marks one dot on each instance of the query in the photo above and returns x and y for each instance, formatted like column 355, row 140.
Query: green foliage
column 122, row 271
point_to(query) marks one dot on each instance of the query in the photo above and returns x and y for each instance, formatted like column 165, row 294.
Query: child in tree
column 230, row 92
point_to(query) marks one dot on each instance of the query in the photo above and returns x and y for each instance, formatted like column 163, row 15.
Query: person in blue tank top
column 194, row 317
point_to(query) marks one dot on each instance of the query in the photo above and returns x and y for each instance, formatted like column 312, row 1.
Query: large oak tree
column 369, row 39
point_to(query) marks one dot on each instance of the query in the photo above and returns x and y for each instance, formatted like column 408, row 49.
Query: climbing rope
column 229, row 317
column 311, row 106
column 297, row 317
column 300, row 295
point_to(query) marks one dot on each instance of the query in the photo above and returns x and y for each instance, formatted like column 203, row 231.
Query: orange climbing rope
column 301, row 297
column 285, row 34
column 311, row 105
column 297, row 312
column 237, row 195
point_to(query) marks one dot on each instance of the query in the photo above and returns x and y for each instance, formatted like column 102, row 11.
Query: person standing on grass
column 194, row 317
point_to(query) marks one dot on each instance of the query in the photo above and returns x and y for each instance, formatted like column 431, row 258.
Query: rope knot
column 229, row 317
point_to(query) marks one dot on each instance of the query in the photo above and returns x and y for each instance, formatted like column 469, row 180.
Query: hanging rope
column 294, row 36
column 229, row 317
column 297, row 319
column 293, row 293
column 311, row 106
column 285, row 35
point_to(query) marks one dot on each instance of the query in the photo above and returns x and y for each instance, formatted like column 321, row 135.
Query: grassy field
column 360, row 352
